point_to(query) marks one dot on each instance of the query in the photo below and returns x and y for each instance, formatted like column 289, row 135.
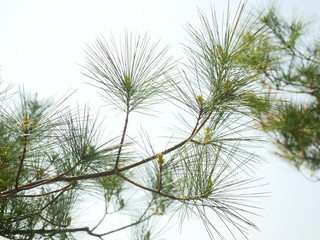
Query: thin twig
column 14, row 219
column 52, row 223
column 150, row 189
column 122, row 137
column 9, row 193
column 22, row 158
column 43, row 194
column 140, row 220
column 298, row 53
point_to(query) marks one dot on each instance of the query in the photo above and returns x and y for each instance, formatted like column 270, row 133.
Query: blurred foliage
column 292, row 74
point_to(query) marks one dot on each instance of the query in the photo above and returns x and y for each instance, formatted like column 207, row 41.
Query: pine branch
column 140, row 220
column 43, row 194
column 157, row 191
column 49, row 231
column 24, row 151
column 64, row 178
column 122, row 137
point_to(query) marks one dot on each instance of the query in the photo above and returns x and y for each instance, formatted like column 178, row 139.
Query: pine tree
column 52, row 157
column 292, row 76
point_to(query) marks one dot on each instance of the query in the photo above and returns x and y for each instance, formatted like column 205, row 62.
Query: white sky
column 41, row 47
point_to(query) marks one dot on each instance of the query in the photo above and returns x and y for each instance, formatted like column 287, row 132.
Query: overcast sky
column 42, row 46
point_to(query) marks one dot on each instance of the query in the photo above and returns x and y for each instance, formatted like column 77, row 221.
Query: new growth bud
column 127, row 82
column 160, row 159
column 210, row 183
column 200, row 101
column 26, row 121
column 228, row 86
column 208, row 135
column 69, row 219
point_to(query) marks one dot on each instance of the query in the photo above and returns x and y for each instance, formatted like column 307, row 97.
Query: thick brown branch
column 9, row 193
column 48, row 231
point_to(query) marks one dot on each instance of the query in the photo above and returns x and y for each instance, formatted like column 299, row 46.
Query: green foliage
column 52, row 158
column 297, row 128
column 36, row 138
column 293, row 67
column 130, row 71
